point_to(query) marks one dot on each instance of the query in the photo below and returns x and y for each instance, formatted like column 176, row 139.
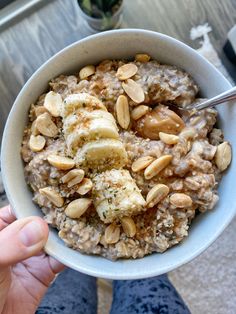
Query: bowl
column 121, row 44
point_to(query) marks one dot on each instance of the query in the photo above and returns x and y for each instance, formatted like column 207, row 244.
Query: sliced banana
column 99, row 114
column 116, row 195
column 100, row 128
column 91, row 133
column 87, row 127
column 102, row 154
column 74, row 102
column 83, row 116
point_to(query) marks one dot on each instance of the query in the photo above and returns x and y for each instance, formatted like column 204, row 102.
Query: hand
column 25, row 270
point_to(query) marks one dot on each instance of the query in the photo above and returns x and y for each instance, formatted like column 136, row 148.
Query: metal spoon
column 219, row 99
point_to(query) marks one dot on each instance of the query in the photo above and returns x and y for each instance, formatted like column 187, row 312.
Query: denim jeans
column 76, row 293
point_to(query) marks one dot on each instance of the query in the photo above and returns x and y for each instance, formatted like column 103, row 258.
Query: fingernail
column 32, row 233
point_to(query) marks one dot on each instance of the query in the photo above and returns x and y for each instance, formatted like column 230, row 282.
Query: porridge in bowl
column 113, row 167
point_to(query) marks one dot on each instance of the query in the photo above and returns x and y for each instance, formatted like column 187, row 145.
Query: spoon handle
column 219, row 99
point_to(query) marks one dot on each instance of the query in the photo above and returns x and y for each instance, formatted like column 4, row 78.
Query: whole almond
column 128, row 226
column 169, row 139
column 157, row 166
column 133, row 90
column 142, row 163
column 223, row 156
column 139, row 112
column 86, row 71
column 142, row 57
column 60, row 162
column 122, row 111
column 53, row 196
column 78, row 207
column 156, row 194
column 181, row 200
column 53, row 103
column 85, row 186
column 126, row 71
column 45, row 125
column 37, row 143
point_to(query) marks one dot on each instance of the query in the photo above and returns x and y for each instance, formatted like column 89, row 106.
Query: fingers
column 55, row 265
column 6, row 217
column 22, row 239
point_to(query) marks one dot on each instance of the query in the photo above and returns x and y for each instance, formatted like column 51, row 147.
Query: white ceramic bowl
column 122, row 44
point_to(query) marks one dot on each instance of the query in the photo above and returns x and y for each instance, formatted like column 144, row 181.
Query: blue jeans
column 76, row 293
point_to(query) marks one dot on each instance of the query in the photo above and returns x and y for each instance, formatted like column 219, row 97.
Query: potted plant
column 101, row 14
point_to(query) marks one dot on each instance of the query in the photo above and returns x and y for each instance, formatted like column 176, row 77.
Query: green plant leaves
column 98, row 8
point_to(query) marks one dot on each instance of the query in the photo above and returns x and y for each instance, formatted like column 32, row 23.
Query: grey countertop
column 28, row 43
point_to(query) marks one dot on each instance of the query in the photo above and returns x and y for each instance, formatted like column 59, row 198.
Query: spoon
column 219, row 99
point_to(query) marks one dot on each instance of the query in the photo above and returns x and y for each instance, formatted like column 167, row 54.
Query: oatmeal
column 113, row 167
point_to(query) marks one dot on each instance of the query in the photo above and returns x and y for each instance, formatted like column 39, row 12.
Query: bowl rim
column 101, row 272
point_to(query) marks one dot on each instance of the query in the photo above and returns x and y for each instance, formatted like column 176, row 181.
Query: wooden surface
column 28, row 43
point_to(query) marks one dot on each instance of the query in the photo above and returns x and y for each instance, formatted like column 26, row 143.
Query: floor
column 208, row 283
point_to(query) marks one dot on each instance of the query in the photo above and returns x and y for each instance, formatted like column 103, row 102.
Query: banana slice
column 116, row 195
column 82, row 117
column 99, row 128
column 102, row 154
column 91, row 133
column 74, row 102
column 97, row 114
column 88, row 126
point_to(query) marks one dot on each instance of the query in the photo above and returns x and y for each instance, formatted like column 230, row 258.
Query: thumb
column 22, row 239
